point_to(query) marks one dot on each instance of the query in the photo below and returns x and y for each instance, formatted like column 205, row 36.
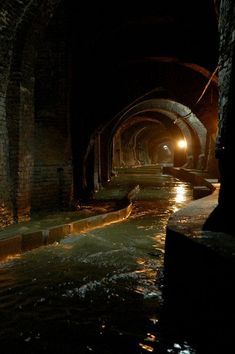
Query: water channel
column 98, row 292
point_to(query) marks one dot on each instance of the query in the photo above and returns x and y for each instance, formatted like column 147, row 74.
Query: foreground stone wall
column 199, row 280
column 222, row 217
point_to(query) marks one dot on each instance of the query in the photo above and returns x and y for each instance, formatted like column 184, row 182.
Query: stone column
column 6, row 210
column 222, row 217
column 6, row 207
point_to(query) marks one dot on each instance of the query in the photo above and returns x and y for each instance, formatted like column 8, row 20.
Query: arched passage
column 56, row 125
column 137, row 140
column 181, row 112
column 182, row 116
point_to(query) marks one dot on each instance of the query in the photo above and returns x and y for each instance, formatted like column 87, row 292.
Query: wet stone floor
column 98, row 292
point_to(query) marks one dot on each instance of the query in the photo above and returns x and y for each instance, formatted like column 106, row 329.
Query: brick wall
column 9, row 18
column 21, row 23
column 52, row 175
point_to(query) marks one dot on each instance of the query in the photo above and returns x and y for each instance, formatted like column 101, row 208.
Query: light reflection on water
column 97, row 292
column 180, row 196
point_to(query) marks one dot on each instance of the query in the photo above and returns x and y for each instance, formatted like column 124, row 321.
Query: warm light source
column 182, row 144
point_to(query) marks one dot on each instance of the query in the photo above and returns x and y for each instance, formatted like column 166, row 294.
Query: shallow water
column 98, row 292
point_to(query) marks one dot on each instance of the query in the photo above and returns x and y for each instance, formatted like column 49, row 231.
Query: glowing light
column 154, row 320
column 140, row 261
column 148, row 348
column 150, row 337
column 180, row 194
column 182, row 144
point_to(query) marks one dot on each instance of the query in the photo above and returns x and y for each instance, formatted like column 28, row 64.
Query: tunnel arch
column 172, row 131
column 152, row 142
column 180, row 113
column 132, row 140
column 194, row 145
column 187, row 133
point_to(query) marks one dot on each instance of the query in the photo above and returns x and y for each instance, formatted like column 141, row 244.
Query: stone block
column 55, row 234
column 32, row 240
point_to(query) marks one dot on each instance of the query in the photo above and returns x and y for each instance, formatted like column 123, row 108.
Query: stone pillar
column 6, row 208
column 6, row 211
column 117, row 151
column 212, row 163
column 222, row 217
column 26, row 152
column 97, row 163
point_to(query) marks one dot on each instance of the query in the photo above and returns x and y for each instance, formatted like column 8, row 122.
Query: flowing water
column 98, row 292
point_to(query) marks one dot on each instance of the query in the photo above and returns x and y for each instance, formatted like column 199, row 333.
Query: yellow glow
column 182, row 144
column 175, row 209
column 150, row 337
column 11, row 257
column 154, row 320
column 180, row 194
column 140, row 261
column 139, row 290
column 148, row 348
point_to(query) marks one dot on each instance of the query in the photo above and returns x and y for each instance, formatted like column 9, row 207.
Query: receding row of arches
column 150, row 133
column 155, row 132
column 80, row 98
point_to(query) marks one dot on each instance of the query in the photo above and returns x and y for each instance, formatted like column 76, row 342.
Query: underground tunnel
column 113, row 118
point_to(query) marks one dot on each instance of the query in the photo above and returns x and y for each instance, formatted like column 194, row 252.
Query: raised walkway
column 45, row 229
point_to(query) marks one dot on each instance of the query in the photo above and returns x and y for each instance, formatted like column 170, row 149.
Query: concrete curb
column 20, row 243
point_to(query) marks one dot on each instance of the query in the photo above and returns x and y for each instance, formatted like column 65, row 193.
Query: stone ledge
column 199, row 278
